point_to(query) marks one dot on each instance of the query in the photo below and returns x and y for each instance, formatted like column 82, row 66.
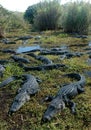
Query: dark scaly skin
column 41, row 58
column 20, row 59
column 8, row 51
column 44, row 52
column 44, row 67
column 24, row 38
column 30, row 87
column 6, row 41
column 7, row 81
column 64, row 96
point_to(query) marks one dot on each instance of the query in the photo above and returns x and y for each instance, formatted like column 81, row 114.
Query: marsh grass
column 29, row 116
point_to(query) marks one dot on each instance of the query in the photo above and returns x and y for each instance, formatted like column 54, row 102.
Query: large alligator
column 20, row 59
column 41, row 58
column 64, row 96
column 29, row 88
column 44, row 67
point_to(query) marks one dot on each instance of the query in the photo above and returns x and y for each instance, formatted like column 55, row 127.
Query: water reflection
column 22, row 49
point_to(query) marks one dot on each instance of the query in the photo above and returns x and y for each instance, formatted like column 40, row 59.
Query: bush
column 48, row 16
column 75, row 18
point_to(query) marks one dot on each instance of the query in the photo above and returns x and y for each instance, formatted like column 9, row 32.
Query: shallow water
column 23, row 49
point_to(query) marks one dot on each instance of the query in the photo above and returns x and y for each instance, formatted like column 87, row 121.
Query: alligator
column 4, row 61
column 7, row 81
column 44, row 67
column 64, row 47
column 81, row 36
column 78, row 45
column 8, row 51
column 23, row 38
column 49, row 52
column 20, row 59
column 29, row 88
column 64, row 96
column 6, row 41
column 71, row 54
column 41, row 58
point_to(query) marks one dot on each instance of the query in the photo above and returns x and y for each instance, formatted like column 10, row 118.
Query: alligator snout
column 55, row 106
column 45, row 119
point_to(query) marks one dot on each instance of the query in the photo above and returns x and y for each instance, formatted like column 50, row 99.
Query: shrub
column 75, row 18
column 48, row 16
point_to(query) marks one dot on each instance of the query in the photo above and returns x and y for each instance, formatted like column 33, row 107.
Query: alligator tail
column 7, row 81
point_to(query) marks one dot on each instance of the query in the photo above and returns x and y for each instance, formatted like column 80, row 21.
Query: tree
column 48, row 16
column 30, row 13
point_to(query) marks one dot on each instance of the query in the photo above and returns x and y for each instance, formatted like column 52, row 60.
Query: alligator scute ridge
column 41, row 58
column 44, row 67
column 20, row 59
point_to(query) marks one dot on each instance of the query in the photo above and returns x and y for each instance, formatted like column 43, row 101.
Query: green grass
column 29, row 116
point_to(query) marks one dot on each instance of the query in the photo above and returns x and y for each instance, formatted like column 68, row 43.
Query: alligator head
column 18, row 102
column 55, row 106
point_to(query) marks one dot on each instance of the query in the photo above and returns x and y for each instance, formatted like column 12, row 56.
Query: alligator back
column 30, row 86
column 80, row 78
column 71, row 90
column 20, row 59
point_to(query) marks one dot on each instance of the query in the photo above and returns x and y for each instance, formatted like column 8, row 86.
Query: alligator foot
column 48, row 98
column 72, row 107
column 10, row 113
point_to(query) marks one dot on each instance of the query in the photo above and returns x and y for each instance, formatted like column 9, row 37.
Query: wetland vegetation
column 73, row 36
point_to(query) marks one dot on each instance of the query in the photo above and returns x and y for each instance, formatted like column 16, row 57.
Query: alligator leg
column 80, row 89
column 48, row 98
column 71, row 104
